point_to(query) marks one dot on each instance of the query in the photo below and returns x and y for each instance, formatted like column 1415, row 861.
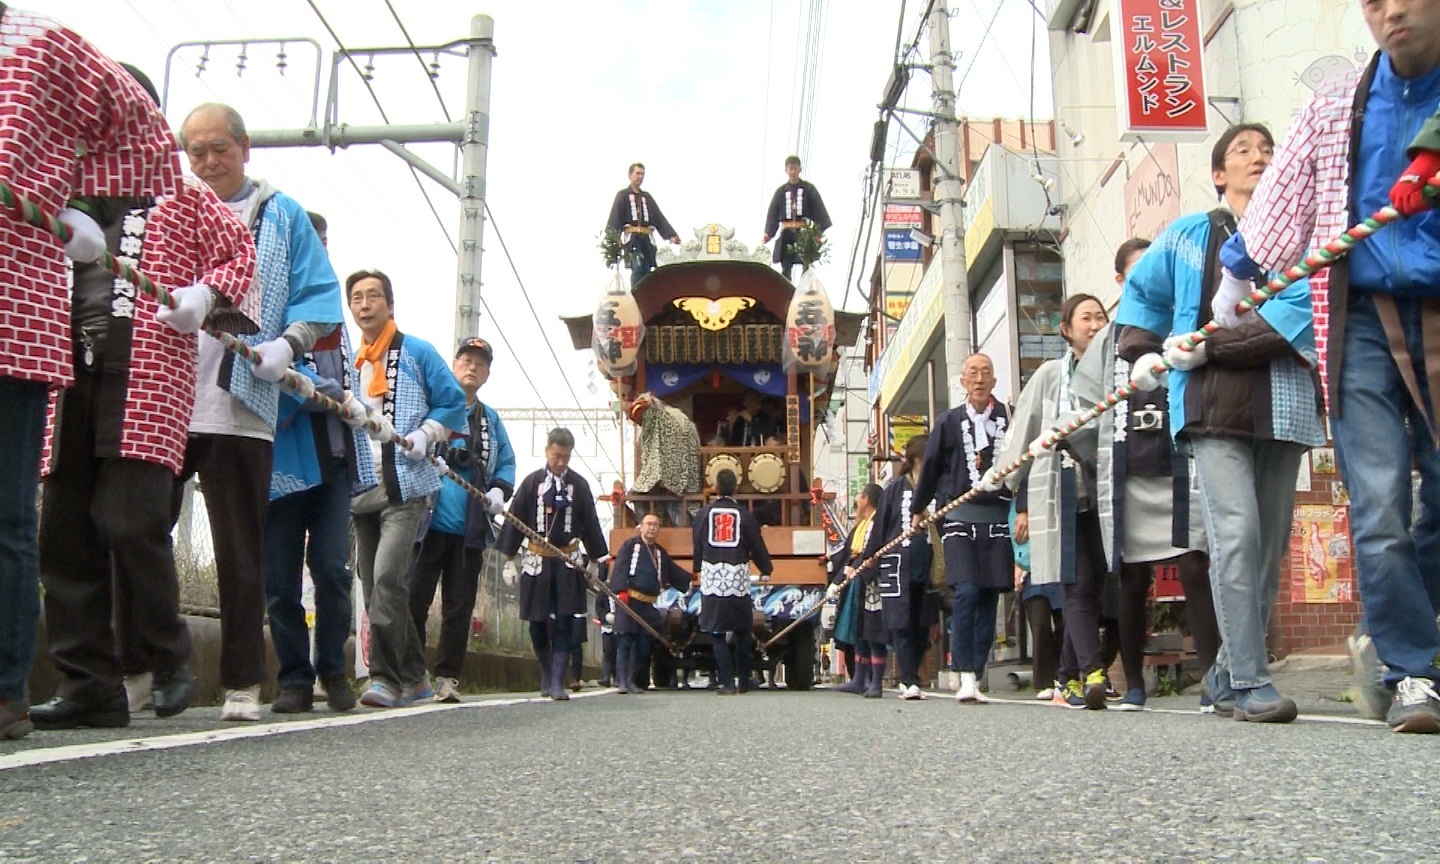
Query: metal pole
column 955, row 285
column 472, row 180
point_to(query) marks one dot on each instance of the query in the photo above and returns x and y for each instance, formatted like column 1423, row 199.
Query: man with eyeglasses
column 296, row 303
column 1380, row 307
column 1247, row 402
column 458, row 529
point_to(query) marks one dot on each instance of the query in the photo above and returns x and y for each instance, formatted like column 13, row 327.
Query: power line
column 446, row 231
column 421, row 60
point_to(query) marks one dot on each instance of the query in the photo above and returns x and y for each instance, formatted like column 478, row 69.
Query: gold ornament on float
column 714, row 314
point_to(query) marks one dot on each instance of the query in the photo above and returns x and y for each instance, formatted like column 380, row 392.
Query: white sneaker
column 912, row 693
column 139, row 690
column 243, row 704
column 967, row 690
column 1045, row 695
column 447, row 689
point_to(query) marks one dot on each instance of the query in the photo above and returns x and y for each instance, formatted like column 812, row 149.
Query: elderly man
column 296, row 303
column 44, row 129
column 641, row 570
column 119, row 438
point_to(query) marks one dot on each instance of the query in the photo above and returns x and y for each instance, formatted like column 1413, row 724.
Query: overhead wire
column 446, row 231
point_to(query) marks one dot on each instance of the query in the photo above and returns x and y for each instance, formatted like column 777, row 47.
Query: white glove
column 192, row 307
column 992, row 481
column 385, row 434
column 494, row 501
column 1037, row 447
column 355, row 412
column 1143, row 373
column 610, row 618
column 87, row 240
column 441, row 466
column 592, row 571
column 275, row 357
column 1180, row 358
column 832, row 592
column 1231, row 291
column 302, row 387
column 419, row 442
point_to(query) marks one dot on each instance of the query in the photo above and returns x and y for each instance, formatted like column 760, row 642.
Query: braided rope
column 1316, row 261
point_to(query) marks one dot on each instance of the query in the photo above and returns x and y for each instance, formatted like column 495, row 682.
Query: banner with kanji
column 1321, row 566
column 1160, row 70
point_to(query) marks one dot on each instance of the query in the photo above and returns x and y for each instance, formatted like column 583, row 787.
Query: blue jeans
column 972, row 626
column 1378, row 433
column 322, row 513
column 25, row 403
column 1247, row 493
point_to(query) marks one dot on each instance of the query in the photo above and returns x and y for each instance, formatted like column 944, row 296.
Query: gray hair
column 560, row 437
column 234, row 123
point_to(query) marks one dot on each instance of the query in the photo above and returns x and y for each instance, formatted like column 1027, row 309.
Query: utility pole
column 471, row 134
column 955, row 285
column 473, row 151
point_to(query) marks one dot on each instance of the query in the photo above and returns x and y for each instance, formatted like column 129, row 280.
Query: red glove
column 1408, row 193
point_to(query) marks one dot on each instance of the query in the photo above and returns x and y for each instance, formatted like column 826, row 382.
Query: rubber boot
column 559, row 675
column 858, row 677
column 543, row 655
column 875, row 686
column 624, row 660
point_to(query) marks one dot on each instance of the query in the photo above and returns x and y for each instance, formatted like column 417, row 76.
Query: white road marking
column 68, row 753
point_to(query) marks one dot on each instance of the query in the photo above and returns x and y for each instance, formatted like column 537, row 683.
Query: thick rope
column 1318, row 260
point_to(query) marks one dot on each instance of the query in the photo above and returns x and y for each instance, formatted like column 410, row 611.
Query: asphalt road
column 767, row 776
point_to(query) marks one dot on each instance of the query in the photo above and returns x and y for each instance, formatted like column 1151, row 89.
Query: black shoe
column 294, row 700
column 172, row 693
column 339, row 695
column 725, row 690
column 112, row 712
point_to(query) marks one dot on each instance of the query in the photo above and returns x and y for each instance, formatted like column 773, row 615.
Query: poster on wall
column 1152, row 194
column 1159, row 58
column 1321, row 567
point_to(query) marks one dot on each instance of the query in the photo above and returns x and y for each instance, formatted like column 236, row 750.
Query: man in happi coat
column 72, row 122
column 556, row 503
column 635, row 216
column 794, row 204
column 669, row 454
column 726, row 539
column 640, row 571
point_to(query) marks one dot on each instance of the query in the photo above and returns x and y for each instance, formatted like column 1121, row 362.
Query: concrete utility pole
column 473, row 151
column 954, row 284
column 471, row 134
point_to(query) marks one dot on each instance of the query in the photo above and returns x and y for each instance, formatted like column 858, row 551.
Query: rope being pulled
column 1313, row 263
column 292, row 382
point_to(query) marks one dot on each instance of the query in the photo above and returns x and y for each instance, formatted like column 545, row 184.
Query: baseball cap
column 475, row 343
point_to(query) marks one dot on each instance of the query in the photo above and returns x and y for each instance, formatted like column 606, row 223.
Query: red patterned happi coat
column 72, row 122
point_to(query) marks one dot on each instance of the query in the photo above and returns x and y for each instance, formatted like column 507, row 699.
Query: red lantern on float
column 618, row 330
column 810, row 329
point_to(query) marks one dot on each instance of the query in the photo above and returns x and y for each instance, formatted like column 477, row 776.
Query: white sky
column 704, row 93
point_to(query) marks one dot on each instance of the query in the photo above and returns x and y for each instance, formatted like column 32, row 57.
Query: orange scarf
column 374, row 354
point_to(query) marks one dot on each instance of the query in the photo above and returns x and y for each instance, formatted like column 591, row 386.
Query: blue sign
column 900, row 246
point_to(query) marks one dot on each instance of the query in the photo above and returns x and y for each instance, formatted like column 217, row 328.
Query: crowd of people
column 1196, row 469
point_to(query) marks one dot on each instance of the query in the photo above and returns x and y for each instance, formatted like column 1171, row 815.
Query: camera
column 1147, row 419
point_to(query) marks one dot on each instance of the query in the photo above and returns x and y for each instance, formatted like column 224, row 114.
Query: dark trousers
column 1047, row 634
column 608, row 651
column 641, row 253
column 445, row 562
column 235, row 477
column 106, row 521
column 972, row 626
column 733, row 660
column 24, row 403
column 545, row 636
column 632, row 653
column 1082, row 652
column 321, row 514
column 1134, row 601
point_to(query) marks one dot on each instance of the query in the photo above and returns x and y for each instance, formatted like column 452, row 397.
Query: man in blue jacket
column 453, row 540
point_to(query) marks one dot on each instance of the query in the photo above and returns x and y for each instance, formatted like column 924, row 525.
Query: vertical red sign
column 1161, row 68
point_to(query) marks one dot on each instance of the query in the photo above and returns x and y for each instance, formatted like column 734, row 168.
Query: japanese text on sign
column 1160, row 54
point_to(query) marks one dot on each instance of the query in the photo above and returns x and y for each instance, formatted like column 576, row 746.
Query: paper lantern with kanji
column 809, row 329
column 618, row 331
